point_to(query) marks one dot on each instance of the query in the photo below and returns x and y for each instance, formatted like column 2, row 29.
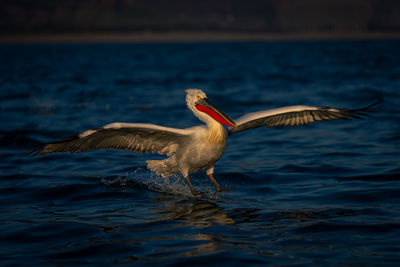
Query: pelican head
column 197, row 102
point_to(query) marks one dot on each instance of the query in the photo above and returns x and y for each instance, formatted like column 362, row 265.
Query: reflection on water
column 197, row 213
column 175, row 217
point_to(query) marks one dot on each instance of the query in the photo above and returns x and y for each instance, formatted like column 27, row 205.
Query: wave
column 373, row 177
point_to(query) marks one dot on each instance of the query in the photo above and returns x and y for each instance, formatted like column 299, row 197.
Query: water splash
column 145, row 179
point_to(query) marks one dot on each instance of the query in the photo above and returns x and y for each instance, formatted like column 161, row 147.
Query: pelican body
column 197, row 148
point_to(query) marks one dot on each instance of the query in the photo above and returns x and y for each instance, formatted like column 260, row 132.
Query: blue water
column 325, row 193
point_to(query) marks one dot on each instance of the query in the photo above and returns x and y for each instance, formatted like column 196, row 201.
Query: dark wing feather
column 297, row 115
column 137, row 138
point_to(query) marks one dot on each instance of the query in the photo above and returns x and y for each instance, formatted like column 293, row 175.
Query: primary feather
column 296, row 115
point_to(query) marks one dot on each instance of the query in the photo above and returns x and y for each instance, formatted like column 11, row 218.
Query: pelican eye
column 198, row 97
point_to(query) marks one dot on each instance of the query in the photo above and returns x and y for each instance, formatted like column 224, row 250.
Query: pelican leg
column 215, row 183
column 194, row 191
column 219, row 188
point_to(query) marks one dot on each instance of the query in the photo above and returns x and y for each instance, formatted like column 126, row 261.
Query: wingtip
column 378, row 104
column 365, row 111
column 374, row 107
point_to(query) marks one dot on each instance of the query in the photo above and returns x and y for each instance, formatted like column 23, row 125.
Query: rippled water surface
column 325, row 193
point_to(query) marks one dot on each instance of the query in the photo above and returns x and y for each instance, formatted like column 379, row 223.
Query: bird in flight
column 197, row 148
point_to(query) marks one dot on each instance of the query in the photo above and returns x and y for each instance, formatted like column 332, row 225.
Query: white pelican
column 197, row 148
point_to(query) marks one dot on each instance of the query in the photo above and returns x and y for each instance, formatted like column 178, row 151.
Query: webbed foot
column 199, row 194
column 222, row 189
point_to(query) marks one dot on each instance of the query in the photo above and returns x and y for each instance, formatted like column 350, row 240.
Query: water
column 325, row 193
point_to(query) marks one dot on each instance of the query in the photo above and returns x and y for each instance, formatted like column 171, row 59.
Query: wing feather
column 133, row 136
column 298, row 115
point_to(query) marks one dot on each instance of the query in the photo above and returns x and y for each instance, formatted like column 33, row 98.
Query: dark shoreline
column 190, row 37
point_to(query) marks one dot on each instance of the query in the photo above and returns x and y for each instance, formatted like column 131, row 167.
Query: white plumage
column 197, row 148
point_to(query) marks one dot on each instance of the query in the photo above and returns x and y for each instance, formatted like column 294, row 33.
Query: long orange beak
column 205, row 106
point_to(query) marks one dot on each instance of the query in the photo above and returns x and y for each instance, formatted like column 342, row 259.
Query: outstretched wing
column 297, row 115
column 138, row 137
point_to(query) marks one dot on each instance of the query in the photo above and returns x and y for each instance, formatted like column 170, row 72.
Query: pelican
column 197, row 148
